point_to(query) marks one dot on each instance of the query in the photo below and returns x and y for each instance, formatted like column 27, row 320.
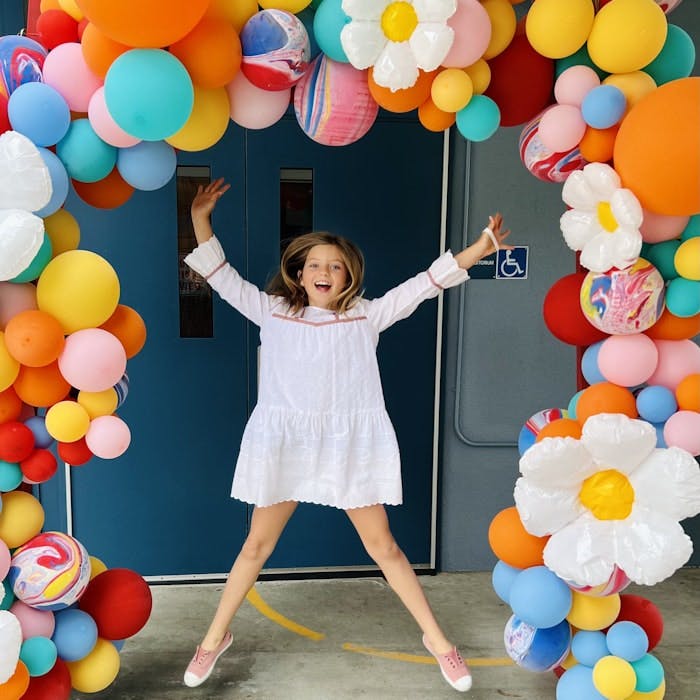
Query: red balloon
column 54, row 685
column 56, row 27
column 119, row 601
column 4, row 119
column 16, row 441
column 75, row 453
column 635, row 608
column 40, row 466
column 522, row 82
column 563, row 315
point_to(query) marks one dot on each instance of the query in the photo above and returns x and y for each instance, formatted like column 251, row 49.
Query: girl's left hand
column 487, row 242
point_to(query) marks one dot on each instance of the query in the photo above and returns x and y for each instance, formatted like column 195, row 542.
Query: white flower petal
column 544, row 511
column 362, row 42
column 651, row 546
column 434, row 10
column 626, row 208
column 668, row 482
column 557, row 463
column 430, row 43
column 618, row 442
column 602, row 180
column 577, row 193
column 626, row 247
column 365, row 9
column 578, row 227
column 598, row 255
column 396, row 66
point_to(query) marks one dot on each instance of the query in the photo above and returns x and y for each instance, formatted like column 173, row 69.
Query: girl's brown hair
column 286, row 282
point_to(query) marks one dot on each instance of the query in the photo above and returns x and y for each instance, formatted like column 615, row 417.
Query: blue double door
column 163, row 508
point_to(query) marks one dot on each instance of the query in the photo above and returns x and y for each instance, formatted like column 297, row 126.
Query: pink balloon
column 627, row 360
column 92, row 360
column 34, row 623
column 4, row 560
column 682, row 430
column 65, row 70
column 574, row 84
column 103, row 124
column 677, row 359
column 255, row 108
column 108, row 437
column 561, row 128
column 656, row 228
column 472, row 34
column 15, row 298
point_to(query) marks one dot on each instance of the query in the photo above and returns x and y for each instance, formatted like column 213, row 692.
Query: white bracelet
column 490, row 234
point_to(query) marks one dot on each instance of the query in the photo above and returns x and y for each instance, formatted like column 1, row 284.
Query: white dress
column 320, row 432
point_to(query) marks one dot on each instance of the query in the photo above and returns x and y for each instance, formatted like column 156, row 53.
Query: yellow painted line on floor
column 255, row 599
column 420, row 659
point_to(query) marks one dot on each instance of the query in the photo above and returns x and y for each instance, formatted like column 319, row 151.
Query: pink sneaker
column 203, row 662
column 452, row 667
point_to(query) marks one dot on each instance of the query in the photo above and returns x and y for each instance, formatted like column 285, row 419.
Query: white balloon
column 25, row 181
column 21, row 236
column 10, row 643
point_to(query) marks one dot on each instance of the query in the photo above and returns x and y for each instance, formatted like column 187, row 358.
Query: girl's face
column 324, row 275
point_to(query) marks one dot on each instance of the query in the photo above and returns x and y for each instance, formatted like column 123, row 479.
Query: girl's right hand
column 206, row 198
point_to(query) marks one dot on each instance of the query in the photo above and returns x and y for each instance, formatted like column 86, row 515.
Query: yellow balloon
column 21, row 518
column 67, row 421
column 558, row 28
column 687, row 259
column 614, row 678
column 615, row 43
column 569, row 662
column 503, row 24
column 71, row 7
column 9, row 367
column 292, row 6
column 657, row 694
column 633, row 86
column 480, row 74
column 46, row 5
column 451, row 90
column 97, row 670
column 99, row 403
column 63, row 231
column 238, row 12
column 207, row 123
column 589, row 613
column 79, row 288
column 97, row 566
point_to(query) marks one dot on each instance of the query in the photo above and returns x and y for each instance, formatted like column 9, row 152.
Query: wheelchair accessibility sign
column 512, row 264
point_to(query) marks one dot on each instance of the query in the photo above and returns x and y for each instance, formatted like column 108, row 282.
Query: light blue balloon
column 656, row 404
column 42, row 438
column 675, row 60
column 480, row 119
column 683, row 297
column 577, row 684
column 75, row 634
column 148, row 165
column 603, row 106
column 589, row 647
column 692, row 228
column 10, row 476
column 650, row 673
column 589, row 364
column 38, row 654
column 38, row 263
column 329, row 20
column 118, row 643
column 573, row 403
column 502, row 579
column 59, row 182
column 86, row 157
column 39, row 112
column 628, row 640
column 149, row 93
column 539, row 597
column 660, row 439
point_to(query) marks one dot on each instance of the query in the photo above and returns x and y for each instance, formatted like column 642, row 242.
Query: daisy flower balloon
column 604, row 219
column 397, row 38
column 609, row 500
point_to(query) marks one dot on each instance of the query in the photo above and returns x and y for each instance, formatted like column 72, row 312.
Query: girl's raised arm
column 492, row 238
column 203, row 205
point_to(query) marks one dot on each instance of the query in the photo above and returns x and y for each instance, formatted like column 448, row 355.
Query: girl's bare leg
column 372, row 526
column 266, row 527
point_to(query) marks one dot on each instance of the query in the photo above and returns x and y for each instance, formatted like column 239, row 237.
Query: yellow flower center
column 606, row 217
column 399, row 20
column 608, row 495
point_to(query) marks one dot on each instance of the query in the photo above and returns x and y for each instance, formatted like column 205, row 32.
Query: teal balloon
column 38, row 263
column 480, row 119
column 9, row 598
column 683, row 297
column 86, row 157
column 38, row 654
column 661, row 255
column 650, row 673
column 149, row 93
column 329, row 20
column 580, row 58
column 692, row 228
column 675, row 60
column 10, row 476
column 573, row 403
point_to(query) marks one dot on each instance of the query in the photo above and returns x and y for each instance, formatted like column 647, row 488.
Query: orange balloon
column 671, row 327
column 402, row 100
column 561, row 427
column 605, row 397
column 108, row 193
column 10, row 405
column 151, row 24
column 128, row 326
column 16, row 686
column 41, row 386
column 657, row 150
column 512, row 543
column 46, row 5
column 34, row 338
column 99, row 51
column 211, row 52
column 597, row 145
column 688, row 393
column 434, row 119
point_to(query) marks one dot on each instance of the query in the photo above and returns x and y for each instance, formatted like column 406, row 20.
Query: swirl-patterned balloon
column 50, row 571
column 21, row 61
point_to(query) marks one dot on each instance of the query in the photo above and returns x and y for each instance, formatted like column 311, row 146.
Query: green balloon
column 676, row 58
column 692, row 229
column 661, row 255
column 38, row 263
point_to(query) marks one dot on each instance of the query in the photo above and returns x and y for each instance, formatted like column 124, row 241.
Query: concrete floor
column 270, row 661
